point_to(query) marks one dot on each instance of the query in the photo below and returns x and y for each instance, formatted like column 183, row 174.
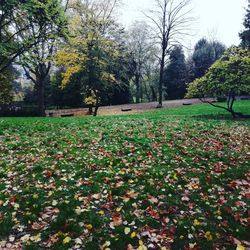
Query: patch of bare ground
column 122, row 109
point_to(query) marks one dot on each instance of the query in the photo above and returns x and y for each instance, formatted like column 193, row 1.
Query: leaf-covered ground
column 150, row 181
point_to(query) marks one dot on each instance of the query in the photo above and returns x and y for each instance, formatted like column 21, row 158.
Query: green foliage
column 19, row 21
column 175, row 74
column 229, row 76
column 6, row 94
column 205, row 54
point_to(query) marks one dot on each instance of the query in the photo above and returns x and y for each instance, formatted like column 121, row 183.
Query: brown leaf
column 117, row 219
column 38, row 226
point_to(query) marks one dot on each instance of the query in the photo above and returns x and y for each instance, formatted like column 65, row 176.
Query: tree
column 140, row 49
column 16, row 18
column 205, row 54
column 229, row 76
column 175, row 74
column 92, row 52
column 37, row 61
column 171, row 20
column 245, row 35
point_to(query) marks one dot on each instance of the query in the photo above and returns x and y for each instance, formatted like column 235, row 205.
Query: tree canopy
column 92, row 51
column 175, row 74
column 229, row 76
column 205, row 54
column 18, row 26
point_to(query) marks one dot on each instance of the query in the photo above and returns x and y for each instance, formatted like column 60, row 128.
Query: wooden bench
column 67, row 115
column 126, row 109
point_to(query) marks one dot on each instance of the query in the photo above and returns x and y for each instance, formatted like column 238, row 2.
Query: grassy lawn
column 169, row 179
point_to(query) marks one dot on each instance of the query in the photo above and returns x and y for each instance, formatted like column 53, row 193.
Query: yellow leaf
column 54, row 202
column 89, row 226
column 97, row 196
column 196, row 222
column 142, row 247
column 240, row 247
column 126, row 230
column 101, row 212
column 208, row 236
column 107, row 244
column 36, row 238
column 133, row 235
column 192, row 245
column 66, row 240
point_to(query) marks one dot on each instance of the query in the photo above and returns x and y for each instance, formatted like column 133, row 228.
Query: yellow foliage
column 69, row 73
column 67, row 57
column 66, row 240
column 208, row 236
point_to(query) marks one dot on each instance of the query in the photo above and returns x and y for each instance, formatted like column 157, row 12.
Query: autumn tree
column 91, row 51
column 171, row 20
column 229, row 76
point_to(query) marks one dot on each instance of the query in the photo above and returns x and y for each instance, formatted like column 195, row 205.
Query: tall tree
column 205, row 54
column 37, row 61
column 15, row 19
column 92, row 52
column 175, row 74
column 140, row 49
column 245, row 35
column 171, row 20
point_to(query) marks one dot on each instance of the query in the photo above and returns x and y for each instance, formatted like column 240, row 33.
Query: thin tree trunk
column 161, row 77
column 154, row 96
column 95, row 110
column 137, row 84
column 90, row 110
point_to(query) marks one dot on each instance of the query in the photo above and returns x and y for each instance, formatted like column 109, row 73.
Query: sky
column 219, row 19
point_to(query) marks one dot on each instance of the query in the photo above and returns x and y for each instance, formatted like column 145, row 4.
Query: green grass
column 174, row 178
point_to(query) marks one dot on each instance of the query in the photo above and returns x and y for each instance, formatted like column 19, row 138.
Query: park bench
column 67, row 115
column 186, row 103
column 126, row 109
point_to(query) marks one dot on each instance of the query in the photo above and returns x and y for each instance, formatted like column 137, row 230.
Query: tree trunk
column 154, row 96
column 95, row 110
column 90, row 110
column 137, row 84
column 41, row 95
column 161, row 73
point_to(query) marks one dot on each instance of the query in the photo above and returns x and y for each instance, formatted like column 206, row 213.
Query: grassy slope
column 170, row 178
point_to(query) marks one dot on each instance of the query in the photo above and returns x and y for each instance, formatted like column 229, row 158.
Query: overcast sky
column 221, row 19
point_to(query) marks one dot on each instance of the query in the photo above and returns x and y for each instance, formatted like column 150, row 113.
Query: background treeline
column 62, row 54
